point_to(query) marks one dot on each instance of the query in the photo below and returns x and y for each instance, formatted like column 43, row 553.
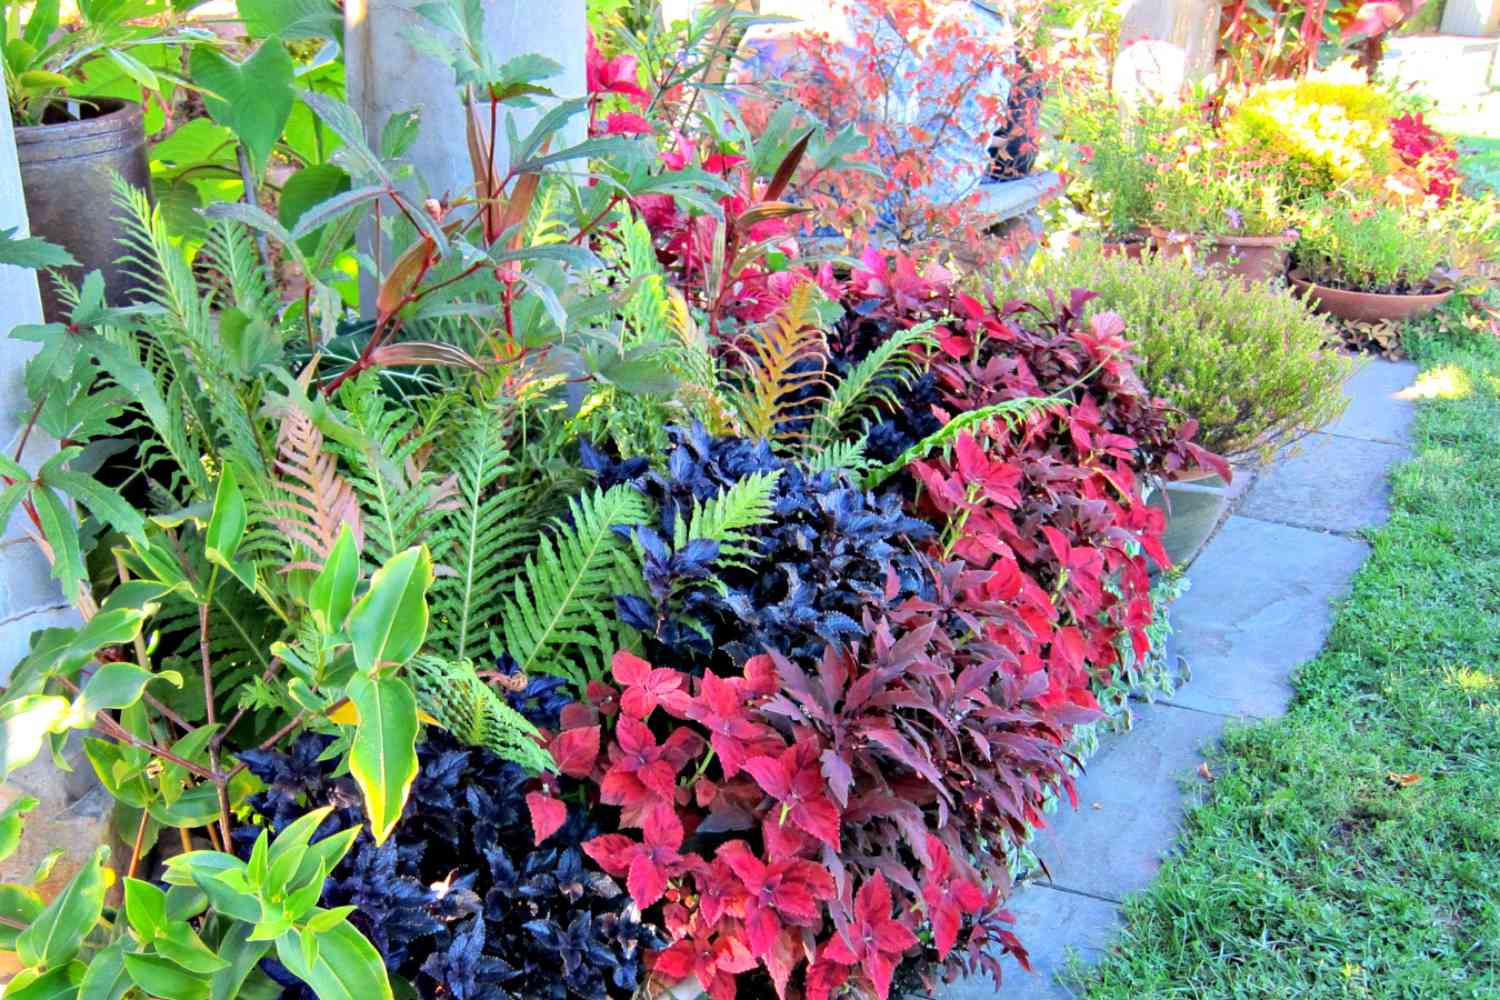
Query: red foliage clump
column 1429, row 153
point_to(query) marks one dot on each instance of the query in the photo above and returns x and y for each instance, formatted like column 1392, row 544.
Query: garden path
column 1259, row 606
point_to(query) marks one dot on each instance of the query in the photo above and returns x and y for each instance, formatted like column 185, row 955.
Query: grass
column 1479, row 160
column 1352, row 848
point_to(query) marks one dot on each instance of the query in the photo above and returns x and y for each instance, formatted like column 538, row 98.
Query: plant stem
column 251, row 198
column 218, row 778
column 281, row 734
column 140, row 838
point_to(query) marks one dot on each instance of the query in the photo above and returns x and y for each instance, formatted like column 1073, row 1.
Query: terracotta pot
column 1132, row 247
column 67, row 175
column 1367, row 307
column 1253, row 258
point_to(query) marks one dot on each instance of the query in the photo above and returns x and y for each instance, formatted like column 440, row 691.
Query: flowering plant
column 1209, row 185
column 1330, row 131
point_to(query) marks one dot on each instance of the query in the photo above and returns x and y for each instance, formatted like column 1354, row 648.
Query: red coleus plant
column 1429, row 153
column 781, row 818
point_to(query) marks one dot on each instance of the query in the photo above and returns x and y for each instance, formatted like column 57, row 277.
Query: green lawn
column 1352, row 848
column 1479, row 160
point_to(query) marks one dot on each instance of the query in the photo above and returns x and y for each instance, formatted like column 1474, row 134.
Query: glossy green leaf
column 226, row 528
column 11, row 824
column 332, row 593
column 145, row 908
column 60, row 531
column 347, row 968
column 389, row 623
column 54, row 984
column 241, row 956
column 383, row 757
column 115, row 685
column 18, row 904
column 24, row 724
column 179, row 943
column 107, row 978
column 307, row 188
column 160, row 977
column 57, row 933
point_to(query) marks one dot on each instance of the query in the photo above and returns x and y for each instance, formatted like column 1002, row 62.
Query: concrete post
column 1471, row 17
column 1191, row 26
column 74, row 811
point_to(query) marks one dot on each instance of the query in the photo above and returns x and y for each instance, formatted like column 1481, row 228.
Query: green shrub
column 1384, row 250
column 1251, row 364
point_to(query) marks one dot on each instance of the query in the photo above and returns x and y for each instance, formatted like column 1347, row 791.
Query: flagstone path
column 1260, row 605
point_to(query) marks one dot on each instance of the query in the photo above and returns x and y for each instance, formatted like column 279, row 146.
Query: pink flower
column 627, row 123
column 620, row 75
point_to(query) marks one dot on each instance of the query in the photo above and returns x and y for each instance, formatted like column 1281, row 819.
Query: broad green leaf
column 389, row 624
column 400, row 131
column 332, row 592
column 344, row 121
column 180, row 944
column 57, row 933
column 383, row 756
column 18, row 904
column 226, row 528
column 161, row 977
column 61, row 533
column 242, row 956
column 104, row 503
column 145, row 908
column 253, row 98
column 10, row 824
column 291, row 19
column 347, row 968
column 106, row 978
column 54, row 984
column 24, row 724
column 115, row 685
column 305, row 189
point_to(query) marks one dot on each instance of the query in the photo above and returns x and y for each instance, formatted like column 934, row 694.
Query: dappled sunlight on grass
column 1470, row 680
column 1442, row 382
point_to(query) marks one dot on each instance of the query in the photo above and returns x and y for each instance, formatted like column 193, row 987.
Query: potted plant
column 1371, row 264
column 1223, row 206
column 1251, row 365
column 1108, row 148
column 72, row 144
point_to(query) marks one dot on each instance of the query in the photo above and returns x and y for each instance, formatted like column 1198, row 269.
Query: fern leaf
column 871, row 385
column 454, row 694
column 1012, row 412
column 848, row 455
column 481, row 536
column 785, row 370
column 315, row 502
column 728, row 517
column 558, row 620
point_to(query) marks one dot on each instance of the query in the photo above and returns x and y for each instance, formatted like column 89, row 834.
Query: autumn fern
column 559, row 617
column 785, row 371
column 454, row 694
column 481, row 535
column 314, row 501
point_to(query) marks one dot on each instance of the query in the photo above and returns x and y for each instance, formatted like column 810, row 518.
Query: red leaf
column 547, row 815
column 576, row 751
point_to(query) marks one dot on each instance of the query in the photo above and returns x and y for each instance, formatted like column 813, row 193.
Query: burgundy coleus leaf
column 996, row 481
column 874, row 940
column 547, row 815
column 949, row 897
column 642, row 770
column 795, row 780
column 646, row 687
column 576, row 751
column 648, row 865
column 720, row 708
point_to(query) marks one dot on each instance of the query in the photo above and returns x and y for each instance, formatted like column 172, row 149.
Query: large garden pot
column 67, row 175
column 1253, row 258
column 1367, row 307
column 1194, row 507
column 1132, row 246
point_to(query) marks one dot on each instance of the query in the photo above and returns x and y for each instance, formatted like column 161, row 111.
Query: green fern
column 482, row 535
column 454, row 694
column 559, row 619
column 728, row 517
column 1013, row 412
column 872, row 385
column 848, row 455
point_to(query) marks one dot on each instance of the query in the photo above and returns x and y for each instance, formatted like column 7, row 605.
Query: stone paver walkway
column 1259, row 606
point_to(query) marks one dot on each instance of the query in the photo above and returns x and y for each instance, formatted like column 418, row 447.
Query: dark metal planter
column 67, row 175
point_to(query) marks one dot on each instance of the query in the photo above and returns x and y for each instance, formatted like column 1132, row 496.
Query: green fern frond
column 400, row 496
column 728, row 517
column 559, row 619
column 872, row 385
column 454, row 694
column 231, row 250
column 482, row 536
column 785, row 370
column 1012, row 412
column 848, row 455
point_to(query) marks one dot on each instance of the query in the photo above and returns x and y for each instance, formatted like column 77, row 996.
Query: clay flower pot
column 1253, row 258
column 1367, row 307
column 1132, row 246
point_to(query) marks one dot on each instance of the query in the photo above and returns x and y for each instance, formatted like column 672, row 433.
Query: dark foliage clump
column 830, row 551
column 460, row 901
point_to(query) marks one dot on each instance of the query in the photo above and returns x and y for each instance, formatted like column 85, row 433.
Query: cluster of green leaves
column 1380, row 250
column 1252, row 364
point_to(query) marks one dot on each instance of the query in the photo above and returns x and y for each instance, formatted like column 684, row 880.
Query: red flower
column 875, row 940
column 620, row 75
column 627, row 123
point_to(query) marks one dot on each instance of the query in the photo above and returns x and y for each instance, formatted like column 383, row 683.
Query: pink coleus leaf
column 547, row 815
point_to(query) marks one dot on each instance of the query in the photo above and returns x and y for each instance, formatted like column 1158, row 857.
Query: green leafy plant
column 1252, row 365
column 1370, row 250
